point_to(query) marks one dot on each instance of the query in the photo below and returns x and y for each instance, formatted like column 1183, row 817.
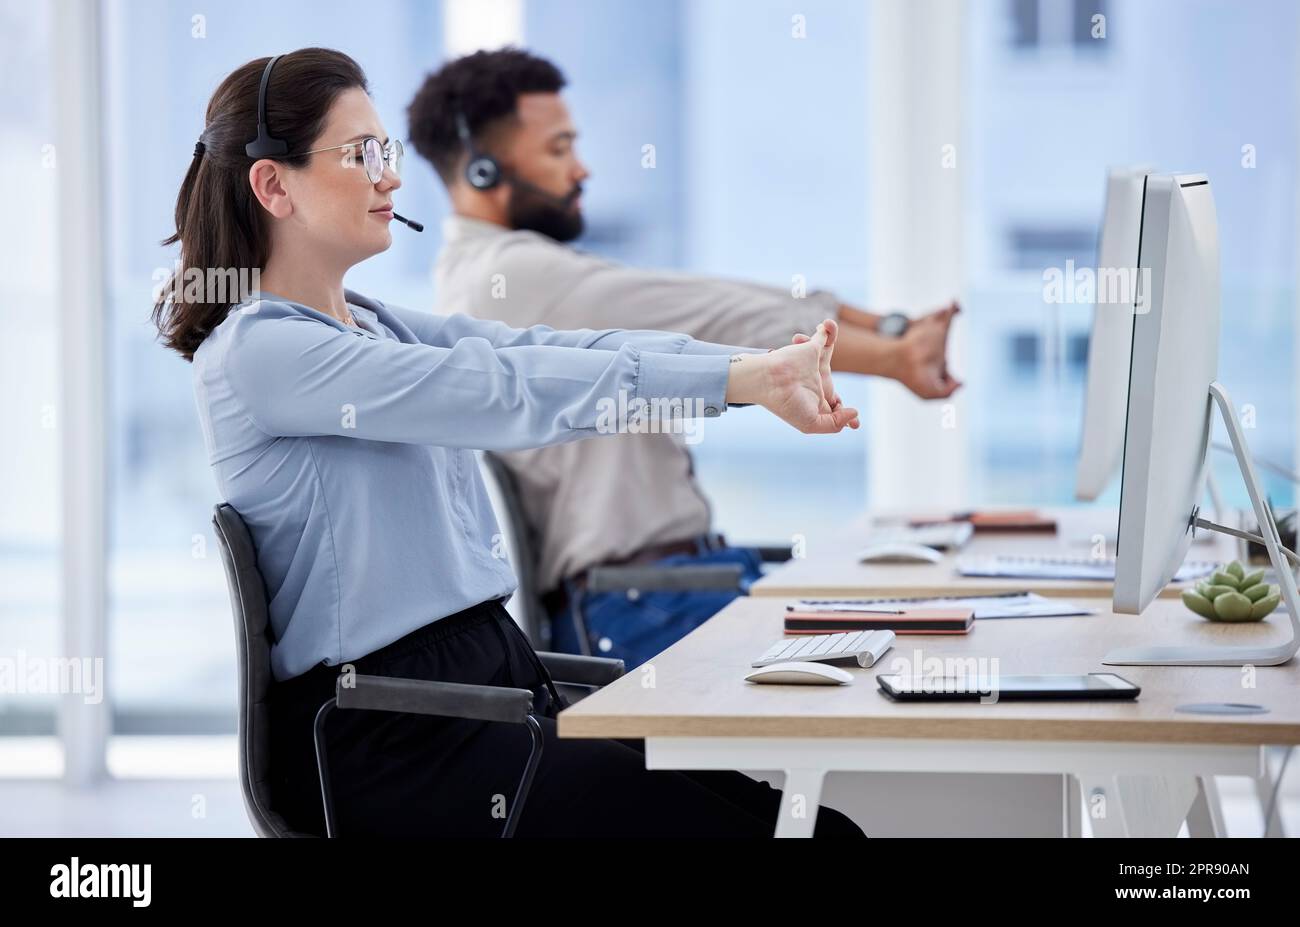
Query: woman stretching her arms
column 342, row 430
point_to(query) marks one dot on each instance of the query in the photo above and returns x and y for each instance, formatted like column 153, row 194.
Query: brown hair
column 219, row 223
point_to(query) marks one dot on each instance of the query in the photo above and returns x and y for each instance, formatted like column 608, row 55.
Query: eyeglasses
column 374, row 156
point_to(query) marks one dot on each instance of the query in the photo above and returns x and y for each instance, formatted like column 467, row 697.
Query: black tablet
column 977, row 688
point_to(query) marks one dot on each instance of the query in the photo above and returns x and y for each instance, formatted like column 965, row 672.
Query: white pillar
column 76, row 77
column 917, row 451
column 470, row 25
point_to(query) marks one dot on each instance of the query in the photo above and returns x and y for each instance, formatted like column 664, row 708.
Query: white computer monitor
column 1172, row 393
column 1101, row 443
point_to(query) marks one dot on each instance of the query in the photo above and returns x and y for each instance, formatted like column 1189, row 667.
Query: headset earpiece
column 482, row 172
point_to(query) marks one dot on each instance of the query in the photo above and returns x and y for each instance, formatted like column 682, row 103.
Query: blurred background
column 815, row 140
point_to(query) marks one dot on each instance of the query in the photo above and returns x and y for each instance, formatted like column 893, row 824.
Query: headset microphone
column 410, row 223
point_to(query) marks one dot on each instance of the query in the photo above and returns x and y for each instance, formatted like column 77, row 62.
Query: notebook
column 899, row 620
column 1018, row 520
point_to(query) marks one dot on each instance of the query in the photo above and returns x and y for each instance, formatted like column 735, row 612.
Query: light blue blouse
column 348, row 452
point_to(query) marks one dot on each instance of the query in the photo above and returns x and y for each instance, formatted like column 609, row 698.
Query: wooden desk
column 831, row 569
column 1146, row 765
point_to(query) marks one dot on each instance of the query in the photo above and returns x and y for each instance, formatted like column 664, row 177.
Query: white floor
column 124, row 808
column 212, row 807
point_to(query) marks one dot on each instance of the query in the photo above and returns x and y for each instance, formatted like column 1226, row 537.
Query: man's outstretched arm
column 918, row 360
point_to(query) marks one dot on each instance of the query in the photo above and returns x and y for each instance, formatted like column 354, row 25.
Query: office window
column 1042, row 132
column 625, row 93
column 1024, row 353
column 775, row 187
column 1031, row 247
column 1024, row 20
column 1043, row 24
column 686, row 112
column 29, row 464
column 171, row 646
column 1076, row 354
column 1085, row 23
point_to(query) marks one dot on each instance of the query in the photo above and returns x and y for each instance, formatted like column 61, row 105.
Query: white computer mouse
column 899, row 553
column 801, row 674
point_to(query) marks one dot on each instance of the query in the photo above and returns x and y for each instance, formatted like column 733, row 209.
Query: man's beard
column 531, row 210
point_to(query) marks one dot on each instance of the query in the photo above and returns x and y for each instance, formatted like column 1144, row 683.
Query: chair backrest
column 253, row 648
column 525, row 606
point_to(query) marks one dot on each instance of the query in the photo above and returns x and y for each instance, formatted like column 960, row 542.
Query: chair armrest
column 720, row 576
column 581, row 671
column 775, row 553
column 426, row 697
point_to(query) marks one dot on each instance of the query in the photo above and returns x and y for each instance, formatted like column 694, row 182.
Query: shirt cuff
column 709, row 349
column 699, row 382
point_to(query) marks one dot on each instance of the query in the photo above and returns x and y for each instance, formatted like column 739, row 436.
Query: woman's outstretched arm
column 295, row 376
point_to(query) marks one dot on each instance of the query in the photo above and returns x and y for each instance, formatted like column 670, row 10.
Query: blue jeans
column 635, row 629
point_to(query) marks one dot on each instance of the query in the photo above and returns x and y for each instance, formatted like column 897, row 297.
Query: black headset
column 265, row 145
column 482, row 171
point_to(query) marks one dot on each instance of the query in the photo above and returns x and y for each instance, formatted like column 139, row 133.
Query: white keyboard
column 951, row 535
column 861, row 647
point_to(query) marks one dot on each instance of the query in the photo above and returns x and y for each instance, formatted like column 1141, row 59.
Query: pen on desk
column 856, row 611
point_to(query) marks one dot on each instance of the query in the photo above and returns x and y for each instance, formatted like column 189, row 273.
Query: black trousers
column 405, row 775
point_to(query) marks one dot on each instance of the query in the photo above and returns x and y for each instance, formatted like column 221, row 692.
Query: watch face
column 894, row 325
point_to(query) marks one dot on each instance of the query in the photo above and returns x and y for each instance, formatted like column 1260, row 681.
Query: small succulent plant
column 1232, row 594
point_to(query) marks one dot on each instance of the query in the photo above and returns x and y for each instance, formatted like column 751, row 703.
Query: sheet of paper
column 1011, row 605
column 1062, row 568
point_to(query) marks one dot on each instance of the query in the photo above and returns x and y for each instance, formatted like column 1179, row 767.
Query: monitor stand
column 1232, row 656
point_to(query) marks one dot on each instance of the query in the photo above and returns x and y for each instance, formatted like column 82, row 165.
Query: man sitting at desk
column 496, row 130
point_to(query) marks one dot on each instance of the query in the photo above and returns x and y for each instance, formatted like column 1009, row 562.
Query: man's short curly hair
column 485, row 88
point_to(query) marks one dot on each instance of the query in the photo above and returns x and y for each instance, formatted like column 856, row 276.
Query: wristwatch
column 893, row 325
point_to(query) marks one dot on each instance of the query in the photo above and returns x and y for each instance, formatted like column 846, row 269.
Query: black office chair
column 521, row 542
column 521, row 547
column 372, row 693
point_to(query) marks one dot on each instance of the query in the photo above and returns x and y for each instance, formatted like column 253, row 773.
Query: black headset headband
column 265, row 145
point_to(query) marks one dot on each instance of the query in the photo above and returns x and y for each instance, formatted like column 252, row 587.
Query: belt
column 555, row 600
column 654, row 552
